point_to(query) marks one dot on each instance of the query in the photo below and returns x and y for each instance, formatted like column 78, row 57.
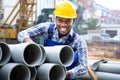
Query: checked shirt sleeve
column 82, row 51
column 33, row 31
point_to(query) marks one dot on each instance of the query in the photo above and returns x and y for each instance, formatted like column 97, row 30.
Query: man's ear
column 56, row 18
column 74, row 20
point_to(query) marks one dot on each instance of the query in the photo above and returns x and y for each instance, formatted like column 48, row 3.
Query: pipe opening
column 43, row 53
column 57, row 73
column 0, row 53
column 33, row 72
column 66, row 56
column 20, row 72
column 5, row 53
column 32, row 54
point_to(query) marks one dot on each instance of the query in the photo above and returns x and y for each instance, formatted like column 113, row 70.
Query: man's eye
column 60, row 21
column 68, row 21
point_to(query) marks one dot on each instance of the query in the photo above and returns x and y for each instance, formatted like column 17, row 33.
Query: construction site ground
column 104, row 50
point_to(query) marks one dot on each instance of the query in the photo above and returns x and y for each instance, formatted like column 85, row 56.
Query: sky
column 111, row 4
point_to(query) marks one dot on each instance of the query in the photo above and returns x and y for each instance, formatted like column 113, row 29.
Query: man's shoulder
column 45, row 24
column 78, row 37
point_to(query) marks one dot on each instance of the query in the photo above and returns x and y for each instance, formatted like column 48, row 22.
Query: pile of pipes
column 104, row 70
column 30, row 61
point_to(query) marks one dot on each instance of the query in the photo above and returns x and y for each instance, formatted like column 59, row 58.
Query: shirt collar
column 71, row 32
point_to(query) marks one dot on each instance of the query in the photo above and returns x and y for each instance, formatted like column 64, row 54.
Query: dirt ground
column 106, row 51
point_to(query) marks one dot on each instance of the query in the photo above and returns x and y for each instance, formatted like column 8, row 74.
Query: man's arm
column 37, row 30
column 82, row 66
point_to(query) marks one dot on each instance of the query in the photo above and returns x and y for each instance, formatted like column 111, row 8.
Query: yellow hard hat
column 65, row 9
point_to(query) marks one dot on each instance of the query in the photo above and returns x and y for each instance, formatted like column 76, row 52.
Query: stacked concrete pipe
column 30, row 61
column 50, row 71
column 62, row 54
column 27, row 53
column 14, row 71
column 5, row 54
column 104, row 70
column 33, row 72
column 43, row 54
column 0, row 53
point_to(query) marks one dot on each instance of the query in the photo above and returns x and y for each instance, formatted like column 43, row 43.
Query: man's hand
column 67, row 75
column 28, row 40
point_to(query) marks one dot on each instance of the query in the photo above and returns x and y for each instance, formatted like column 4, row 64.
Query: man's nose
column 63, row 24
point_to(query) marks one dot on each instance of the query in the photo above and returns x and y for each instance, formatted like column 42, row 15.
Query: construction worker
column 61, row 32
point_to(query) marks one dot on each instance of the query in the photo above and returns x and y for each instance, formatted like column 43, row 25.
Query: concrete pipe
column 107, row 76
column 62, row 54
column 33, row 72
column 109, row 66
column 51, row 71
column 0, row 53
column 43, row 53
column 27, row 53
column 101, row 76
column 5, row 53
column 14, row 71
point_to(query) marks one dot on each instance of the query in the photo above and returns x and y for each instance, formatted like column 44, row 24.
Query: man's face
column 64, row 25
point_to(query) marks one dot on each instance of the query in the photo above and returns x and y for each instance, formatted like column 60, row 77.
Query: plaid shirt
column 78, row 43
